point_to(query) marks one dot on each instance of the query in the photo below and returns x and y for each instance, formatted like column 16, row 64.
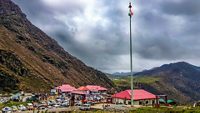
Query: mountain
column 32, row 61
column 180, row 81
column 122, row 73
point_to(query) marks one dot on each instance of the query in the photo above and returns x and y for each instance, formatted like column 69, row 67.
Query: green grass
column 125, row 81
column 1, row 105
column 150, row 110
column 146, row 79
column 12, row 103
column 166, row 110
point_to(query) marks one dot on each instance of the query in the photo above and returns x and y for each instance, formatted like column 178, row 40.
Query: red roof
column 79, row 92
column 66, row 88
column 138, row 94
column 92, row 88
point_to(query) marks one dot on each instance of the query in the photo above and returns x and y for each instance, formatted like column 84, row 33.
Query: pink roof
column 79, row 92
column 83, row 88
column 92, row 88
column 138, row 94
column 95, row 88
column 66, row 88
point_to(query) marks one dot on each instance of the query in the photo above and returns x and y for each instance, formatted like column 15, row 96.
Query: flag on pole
column 130, row 10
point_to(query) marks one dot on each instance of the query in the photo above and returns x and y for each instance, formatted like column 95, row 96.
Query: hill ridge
column 179, row 81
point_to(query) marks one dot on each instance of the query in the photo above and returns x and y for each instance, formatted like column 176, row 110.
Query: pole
column 131, row 60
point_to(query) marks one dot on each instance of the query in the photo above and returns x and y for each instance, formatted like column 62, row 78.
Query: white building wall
column 136, row 102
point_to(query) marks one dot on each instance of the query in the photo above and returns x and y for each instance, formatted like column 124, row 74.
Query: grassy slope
column 124, row 82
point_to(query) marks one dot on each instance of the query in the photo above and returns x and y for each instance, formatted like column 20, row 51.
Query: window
column 147, row 102
column 153, row 102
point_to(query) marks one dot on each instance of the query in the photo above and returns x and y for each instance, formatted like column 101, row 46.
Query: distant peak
column 171, row 67
column 182, row 63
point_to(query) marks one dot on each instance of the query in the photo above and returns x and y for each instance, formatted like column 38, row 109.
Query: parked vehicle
column 42, row 108
column 35, row 104
column 78, row 103
column 4, row 100
column 22, row 107
column 51, row 103
column 7, row 110
column 56, row 105
column 85, row 107
column 58, row 100
column 90, row 102
column 30, row 106
column 42, row 104
column 14, row 108
column 49, row 107
column 65, row 104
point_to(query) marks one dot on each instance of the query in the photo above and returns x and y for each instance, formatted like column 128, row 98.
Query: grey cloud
column 183, row 7
column 160, row 48
column 158, row 33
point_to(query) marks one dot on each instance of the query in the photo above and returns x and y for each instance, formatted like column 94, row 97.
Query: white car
column 22, row 107
column 7, row 110
column 65, row 104
column 56, row 105
column 58, row 100
column 30, row 106
column 14, row 108
column 85, row 107
column 42, row 108
column 78, row 103
column 51, row 102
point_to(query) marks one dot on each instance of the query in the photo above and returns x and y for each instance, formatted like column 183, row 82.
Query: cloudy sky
column 97, row 31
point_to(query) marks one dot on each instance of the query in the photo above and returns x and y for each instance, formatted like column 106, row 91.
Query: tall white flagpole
column 131, row 64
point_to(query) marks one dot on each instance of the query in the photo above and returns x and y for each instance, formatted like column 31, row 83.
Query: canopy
column 162, row 100
column 170, row 101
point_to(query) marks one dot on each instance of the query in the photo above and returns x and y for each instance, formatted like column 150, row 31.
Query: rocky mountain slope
column 180, row 81
column 30, row 60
